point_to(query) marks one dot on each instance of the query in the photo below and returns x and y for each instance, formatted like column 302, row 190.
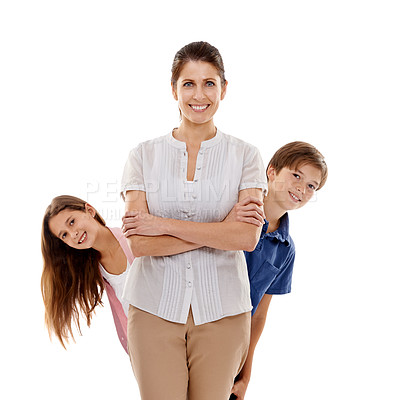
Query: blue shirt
column 270, row 265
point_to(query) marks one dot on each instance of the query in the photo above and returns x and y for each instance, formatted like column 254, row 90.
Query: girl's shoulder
column 117, row 232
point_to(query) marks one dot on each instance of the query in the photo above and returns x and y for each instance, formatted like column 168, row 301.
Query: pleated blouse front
column 213, row 282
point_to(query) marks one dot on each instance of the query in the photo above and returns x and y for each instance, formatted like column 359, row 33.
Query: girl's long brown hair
column 71, row 281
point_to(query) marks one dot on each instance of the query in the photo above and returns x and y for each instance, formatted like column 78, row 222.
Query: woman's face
column 77, row 229
column 198, row 91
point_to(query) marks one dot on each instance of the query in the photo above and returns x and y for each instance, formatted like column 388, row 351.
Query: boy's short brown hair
column 295, row 154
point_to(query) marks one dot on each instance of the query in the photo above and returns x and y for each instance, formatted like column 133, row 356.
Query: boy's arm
column 257, row 327
column 227, row 235
column 152, row 245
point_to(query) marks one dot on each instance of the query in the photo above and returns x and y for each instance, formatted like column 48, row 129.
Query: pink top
column 120, row 319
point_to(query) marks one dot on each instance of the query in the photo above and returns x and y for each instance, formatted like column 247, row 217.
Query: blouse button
column 189, row 284
column 198, row 168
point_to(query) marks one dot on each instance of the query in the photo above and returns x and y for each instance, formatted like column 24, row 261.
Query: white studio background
column 82, row 82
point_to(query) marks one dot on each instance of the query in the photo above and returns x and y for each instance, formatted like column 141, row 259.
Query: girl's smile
column 77, row 229
column 83, row 238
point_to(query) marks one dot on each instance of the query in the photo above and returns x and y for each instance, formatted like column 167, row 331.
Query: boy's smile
column 293, row 188
column 295, row 198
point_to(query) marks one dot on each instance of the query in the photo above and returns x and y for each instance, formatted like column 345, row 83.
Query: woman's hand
column 249, row 210
column 239, row 388
column 141, row 223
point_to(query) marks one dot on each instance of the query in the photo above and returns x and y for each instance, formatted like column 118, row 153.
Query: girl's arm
column 257, row 327
column 226, row 235
column 152, row 245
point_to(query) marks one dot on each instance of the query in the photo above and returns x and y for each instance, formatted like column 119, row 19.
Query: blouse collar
column 204, row 145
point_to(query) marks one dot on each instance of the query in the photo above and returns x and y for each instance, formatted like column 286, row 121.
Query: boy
column 295, row 172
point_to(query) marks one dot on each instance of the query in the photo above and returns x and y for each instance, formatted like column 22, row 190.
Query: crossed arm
column 156, row 236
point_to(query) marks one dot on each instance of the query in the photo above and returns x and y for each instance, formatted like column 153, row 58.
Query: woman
column 189, row 319
column 82, row 257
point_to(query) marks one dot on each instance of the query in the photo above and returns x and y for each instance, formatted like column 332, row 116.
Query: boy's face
column 293, row 188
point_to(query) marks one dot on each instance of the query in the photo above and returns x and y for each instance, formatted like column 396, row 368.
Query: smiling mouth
column 83, row 238
column 294, row 197
column 199, row 108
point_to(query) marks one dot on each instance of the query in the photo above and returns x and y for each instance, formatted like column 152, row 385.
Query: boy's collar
column 282, row 233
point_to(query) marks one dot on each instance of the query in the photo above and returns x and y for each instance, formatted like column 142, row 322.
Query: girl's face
column 77, row 229
column 198, row 91
column 293, row 188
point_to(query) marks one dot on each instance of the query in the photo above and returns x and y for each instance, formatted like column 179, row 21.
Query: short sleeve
column 132, row 177
column 283, row 281
column 253, row 175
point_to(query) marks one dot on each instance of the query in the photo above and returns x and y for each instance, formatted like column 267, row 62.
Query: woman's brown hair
column 71, row 281
column 197, row 51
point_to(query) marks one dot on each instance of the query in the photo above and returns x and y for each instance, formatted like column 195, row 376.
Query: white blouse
column 213, row 282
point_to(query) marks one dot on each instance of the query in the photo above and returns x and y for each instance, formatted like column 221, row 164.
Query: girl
column 82, row 257
column 189, row 319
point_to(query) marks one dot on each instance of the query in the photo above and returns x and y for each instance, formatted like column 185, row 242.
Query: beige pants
column 174, row 361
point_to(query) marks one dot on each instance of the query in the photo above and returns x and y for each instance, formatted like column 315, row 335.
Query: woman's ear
column 174, row 91
column 223, row 91
column 89, row 209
